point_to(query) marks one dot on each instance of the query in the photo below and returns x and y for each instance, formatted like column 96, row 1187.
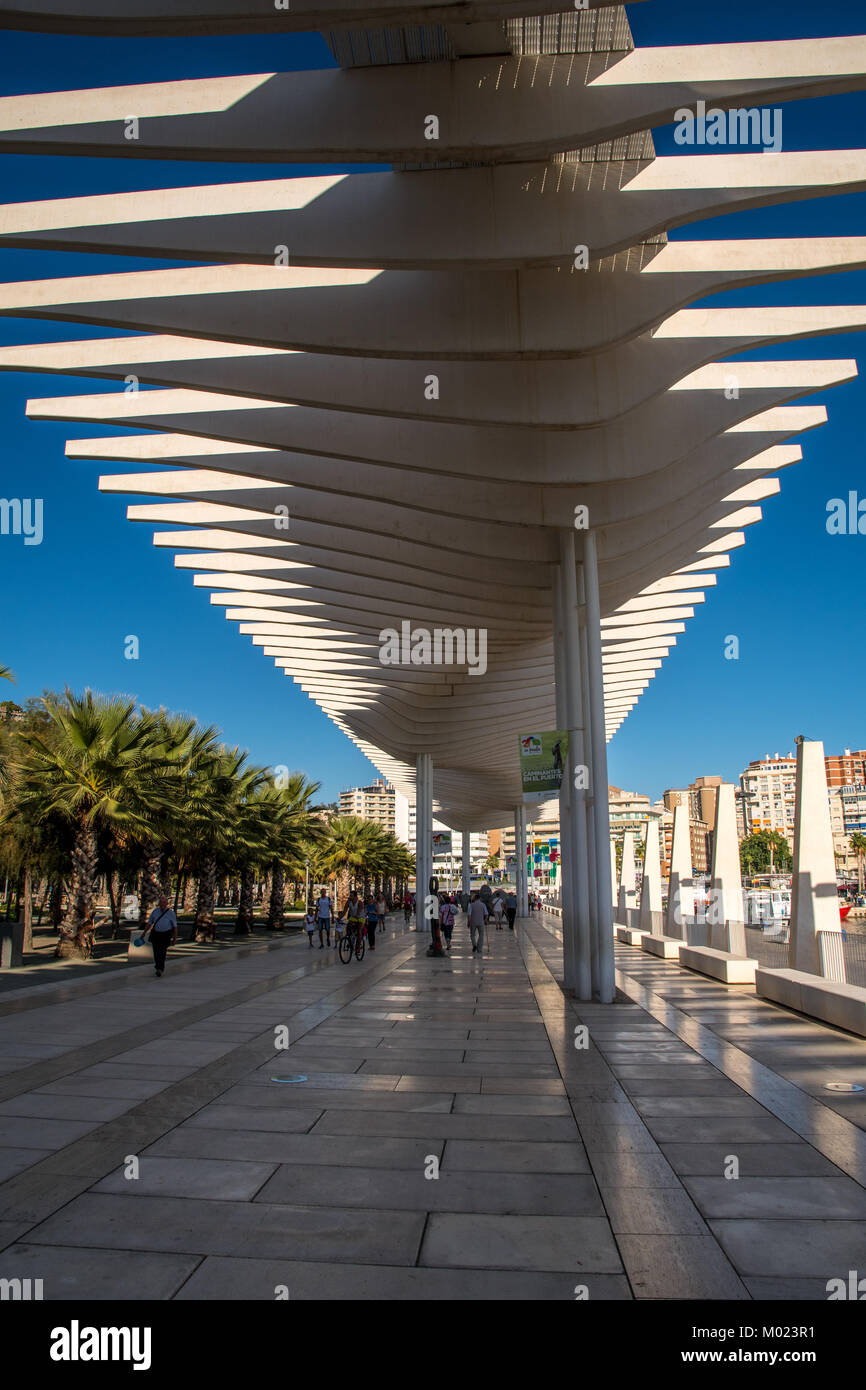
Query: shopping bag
column 139, row 951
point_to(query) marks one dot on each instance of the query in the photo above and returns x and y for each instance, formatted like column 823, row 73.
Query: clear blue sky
column 792, row 595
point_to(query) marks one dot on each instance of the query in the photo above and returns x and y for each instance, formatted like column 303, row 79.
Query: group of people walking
column 358, row 914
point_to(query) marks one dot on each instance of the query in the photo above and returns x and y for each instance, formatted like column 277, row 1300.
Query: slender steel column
column 465, row 877
column 568, row 896
column 588, row 713
column 423, row 835
column 520, row 844
column 600, row 808
column 581, row 981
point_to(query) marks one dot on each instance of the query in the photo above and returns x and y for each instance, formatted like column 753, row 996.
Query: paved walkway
column 563, row 1171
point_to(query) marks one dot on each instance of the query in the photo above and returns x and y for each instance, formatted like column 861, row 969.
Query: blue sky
column 792, row 595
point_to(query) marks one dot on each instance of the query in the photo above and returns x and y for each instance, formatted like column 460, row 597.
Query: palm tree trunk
column 76, row 939
column 277, row 902
column 244, row 922
column 150, row 885
column 204, row 919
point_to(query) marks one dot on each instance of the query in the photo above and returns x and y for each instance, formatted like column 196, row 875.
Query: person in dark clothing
column 162, row 930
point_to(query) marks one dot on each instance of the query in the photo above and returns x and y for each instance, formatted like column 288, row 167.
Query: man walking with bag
column 162, row 921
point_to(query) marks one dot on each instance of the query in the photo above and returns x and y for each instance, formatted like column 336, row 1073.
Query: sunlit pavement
column 435, row 1128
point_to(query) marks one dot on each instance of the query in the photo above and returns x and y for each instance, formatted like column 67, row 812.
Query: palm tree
column 6, row 674
column 858, row 845
column 347, row 844
column 93, row 766
column 293, row 823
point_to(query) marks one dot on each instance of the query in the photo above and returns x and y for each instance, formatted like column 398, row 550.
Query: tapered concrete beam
column 489, row 109
column 727, row 912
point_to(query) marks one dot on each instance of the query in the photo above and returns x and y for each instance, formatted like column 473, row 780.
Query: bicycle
column 349, row 946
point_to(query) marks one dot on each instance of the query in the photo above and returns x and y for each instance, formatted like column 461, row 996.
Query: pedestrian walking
column 310, row 925
column 498, row 912
column 446, row 921
column 381, row 911
column 161, row 922
column 511, row 909
column 478, row 915
column 323, row 917
column 372, row 915
column 407, row 908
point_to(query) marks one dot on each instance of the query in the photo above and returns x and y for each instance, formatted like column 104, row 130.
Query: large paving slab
column 431, row 1131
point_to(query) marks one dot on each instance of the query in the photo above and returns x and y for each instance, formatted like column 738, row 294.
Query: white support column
column 567, row 888
column 520, row 847
column 626, row 902
column 613, row 888
column 816, row 928
column 423, row 836
column 592, row 875
column 726, row 911
column 604, row 878
column 465, row 877
column 681, row 899
column 651, row 885
column 581, row 979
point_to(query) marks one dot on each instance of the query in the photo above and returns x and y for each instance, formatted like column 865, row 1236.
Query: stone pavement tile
column 794, row 1159
column 604, row 1112
column 600, row 1139
column 283, row 1095
column 765, row 1198
column 217, row 1179
column 679, row 1266
column 511, row 1105
column 224, row 1279
column 22, row 1132
column 638, row 1170
column 701, row 1106
column 662, row 1211
column 712, row 1084
column 37, row 1105
column 132, row 1088
column 571, row 1244
column 452, row 1083
column 536, row 1128
column 14, row 1161
column 279, row 1147
column 764, row 1129
column 312, row 1060
column 514, row 1157
column 793, row 1249
column 70, row 1273
column 168, row 1071
column 244, row 1119
column 191, row 1226
column 788, row 1291
column 521, row 1086
column 496, row 1193
column 416, row 1066
column 326, row 1080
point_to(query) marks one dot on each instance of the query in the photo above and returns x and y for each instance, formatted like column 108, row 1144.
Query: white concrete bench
column 630, row 935
column 842, row 1005
column 721, row 965
column 668, row 947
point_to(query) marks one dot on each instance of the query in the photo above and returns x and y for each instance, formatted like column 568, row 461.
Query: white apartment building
column 376, row 803
column 768, row 795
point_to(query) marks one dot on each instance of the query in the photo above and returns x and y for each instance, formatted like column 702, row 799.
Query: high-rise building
column 846, row 769
column 768, row 795
column 700, row 798
column 375, row 803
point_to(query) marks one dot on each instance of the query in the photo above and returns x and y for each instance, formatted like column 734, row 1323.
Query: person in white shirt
column 310, row 924
column 498, row 912
column 323, row 916
column 381, row 910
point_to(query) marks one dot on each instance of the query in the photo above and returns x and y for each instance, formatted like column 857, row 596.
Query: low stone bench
column 721, row 965
column 630, row 935
column 668, row 947
column 842, row 1005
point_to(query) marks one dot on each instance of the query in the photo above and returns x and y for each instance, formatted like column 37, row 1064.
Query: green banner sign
column 542, row 759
